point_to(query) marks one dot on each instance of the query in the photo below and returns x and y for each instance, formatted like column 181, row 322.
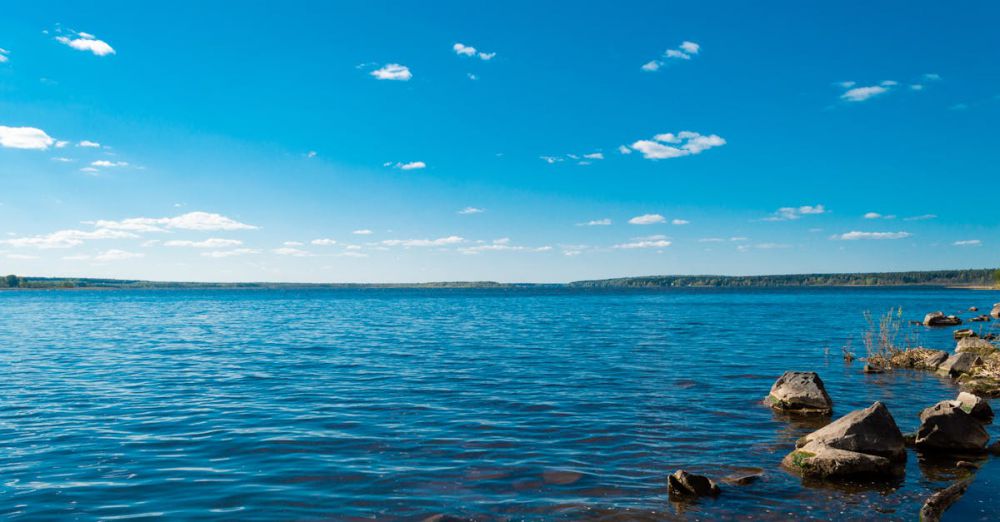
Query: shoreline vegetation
column 978, row 279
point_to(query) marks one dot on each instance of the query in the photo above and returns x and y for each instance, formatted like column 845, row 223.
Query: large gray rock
column 862, row 443
column 975, row 345
column 947, row 427
column 934, row 359
column 959, row 363
column 800, row 392
column 976, row 406
column 684, row 484
column 939, row 319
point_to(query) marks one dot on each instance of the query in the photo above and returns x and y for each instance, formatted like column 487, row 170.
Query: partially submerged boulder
column 995, row 312
column 688, row 485
column 939, row 319
column 947, row 427
column 959, row 363
column 864, row 442
column 800, row 392
column 940, row 501
column 978, row 407
column 919, row 358
column 963, row 333
column 980, row 318
column 975, row 345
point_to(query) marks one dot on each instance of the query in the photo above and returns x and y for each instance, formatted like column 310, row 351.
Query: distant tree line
column 977, row 277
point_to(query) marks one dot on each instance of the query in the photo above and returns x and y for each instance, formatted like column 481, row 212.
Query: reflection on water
column 498, row 405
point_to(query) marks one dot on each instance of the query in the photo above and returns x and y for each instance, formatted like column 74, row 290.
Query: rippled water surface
column 386, row 404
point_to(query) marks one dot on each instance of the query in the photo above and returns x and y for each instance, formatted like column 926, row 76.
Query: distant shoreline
column 971, row 279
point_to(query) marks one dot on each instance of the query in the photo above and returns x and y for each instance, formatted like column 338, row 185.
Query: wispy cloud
column 471, row 210
column 685, row 51
column 856, row 235
column 362, row 232
column 669, row 145
column 323, row 242
column 393, row 71
column 647, row 219
column 117, row 255
column 292, row 252
column 442, row 241
column 207, row 243
column 24, row 138
column 231, row 253
column 205, row 221
column 595, row 223
column 656, row 241
column 679, row 222
column 968, row 242
column 501, row 245
column 67, row 238
column 89, row 144
column 468, row 50
column 922, row 217
column 4, row 55
column 876, row 215
column 793, row 213
column 86, row 42
column 106, row 163
column 411, row 165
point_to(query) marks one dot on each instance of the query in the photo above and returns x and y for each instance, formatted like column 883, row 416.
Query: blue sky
column 514, row 141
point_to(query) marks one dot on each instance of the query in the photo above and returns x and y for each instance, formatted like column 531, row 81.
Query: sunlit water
column 405, row 404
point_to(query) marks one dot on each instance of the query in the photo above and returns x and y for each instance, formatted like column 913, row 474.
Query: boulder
column 980, row 319
column 934, row 359
column 947, row 427
column 975, row 345
column 973, row 308
column 940, row 501
column 688, row 485
column 800, row 392
column 862, row 443
column 873, row 368
column 976, row 406
column 963, row 333
column 995, row 312
column 939, row 319
column 959, row 363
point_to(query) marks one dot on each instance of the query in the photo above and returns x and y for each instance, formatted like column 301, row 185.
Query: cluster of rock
column 939, row 319
column 955, row 426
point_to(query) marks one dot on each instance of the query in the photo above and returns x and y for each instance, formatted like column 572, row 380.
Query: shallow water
column 388, row 404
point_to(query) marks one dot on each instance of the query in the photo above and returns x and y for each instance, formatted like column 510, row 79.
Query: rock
column 947, row 427
column 973, row 309
column 800, row 392
column 684, row 484
column 980, row 319
column 975, row 345
column 976, row 406
column 963, row 333
column 940, row 501
column 873, row 368
column 995, row 312
column 745, row 477
column 862, row 443
column 935, row 359
column 939, row 319
column 964, row 464
column 994, row 448
column 982, row 385
column 959, row 363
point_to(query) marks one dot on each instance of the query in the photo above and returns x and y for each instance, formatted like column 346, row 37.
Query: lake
column 530, row 404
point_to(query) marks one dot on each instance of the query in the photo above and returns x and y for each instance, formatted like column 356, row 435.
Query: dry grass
column 883, row 338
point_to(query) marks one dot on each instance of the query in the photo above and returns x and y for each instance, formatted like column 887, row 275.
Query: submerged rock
column 978, row 407
column 959, row 363
column 688, row 485
column 980, row 319
column 862, row 443
column 973, row 308
column 975, row 345
column 873, row 368
column 963, row 333
column 939, row 319
column 800, row 392
column 940, row 501
column 947, row 427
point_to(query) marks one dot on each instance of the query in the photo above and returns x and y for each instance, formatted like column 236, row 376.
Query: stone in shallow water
column 975, row 345
column 976, row 406
column 940, row 501
column 959, row 363
column 684, row 484
column 995, row 312
column 939, row 319
column 800, row 392
column 864, row 442
column 947, row 427
column 963, row 333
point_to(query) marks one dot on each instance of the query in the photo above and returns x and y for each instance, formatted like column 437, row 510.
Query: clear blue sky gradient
column 267, row 113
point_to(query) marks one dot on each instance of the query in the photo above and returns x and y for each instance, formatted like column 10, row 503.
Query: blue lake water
column 403, row 404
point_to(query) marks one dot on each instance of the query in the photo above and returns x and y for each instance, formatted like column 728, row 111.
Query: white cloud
column 24, row 138
column 323, row 242
column 876, row 215
column 412, row 165
column 647, row 219
column 792, row 213
column 762, row 246
column 594, row 156
column 293, row 243
column 680, row 222
column 684, row 143
column 968, row 242
column 858, row 94
column 293, row 252
column 393, row 71
column 89, row 144
column 855, row 235
column 67, row 238
column 443, row 241
column 62, row 159
column 622, row 149
column 685, row 51
column 916, row 87
column 922, row 217
column 502, row 244
column 117, row 255
column 551, row 159
column 468, row 50
column 644, row 243
column 362, row 232
column 106, row 163
column 205, row 221
column 231, row 253
column 471, row 210
column 87, row 42
column 311, row 154
column 208, row 243
column 932, row 77
column 595, row 223
column 4, row 53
